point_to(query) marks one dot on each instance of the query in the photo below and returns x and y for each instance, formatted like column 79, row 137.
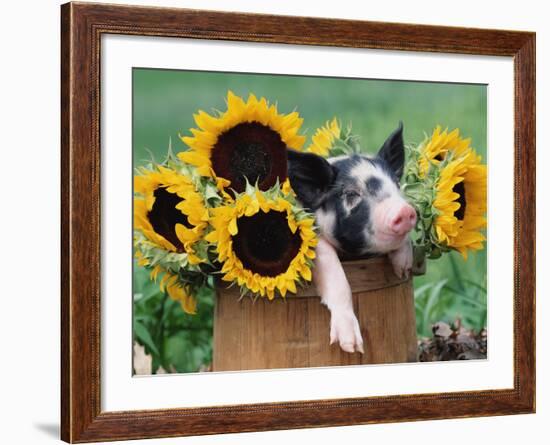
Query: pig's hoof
column 402, row 260
column 344, row 329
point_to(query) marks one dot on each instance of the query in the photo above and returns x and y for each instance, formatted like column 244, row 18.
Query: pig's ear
column 310, row 177
column 393, row 151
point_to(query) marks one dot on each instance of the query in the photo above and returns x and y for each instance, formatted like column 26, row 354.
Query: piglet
column 360, row 211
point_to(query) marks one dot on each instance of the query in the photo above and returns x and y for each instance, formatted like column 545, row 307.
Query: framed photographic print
column 275, row 222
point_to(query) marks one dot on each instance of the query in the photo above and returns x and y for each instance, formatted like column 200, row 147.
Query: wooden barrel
column 294, row 332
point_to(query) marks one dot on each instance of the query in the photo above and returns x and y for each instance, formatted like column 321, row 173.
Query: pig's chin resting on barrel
column 360, row 211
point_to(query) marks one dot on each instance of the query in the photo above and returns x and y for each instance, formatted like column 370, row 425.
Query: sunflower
column 435, row 149
column 461, row 203
column 323, row 139
column 447, row 184
column 264, row 242
column 247, row 142
column 168, row 211
column 170, row 284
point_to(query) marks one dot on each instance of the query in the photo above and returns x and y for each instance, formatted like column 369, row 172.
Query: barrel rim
column 359, row 282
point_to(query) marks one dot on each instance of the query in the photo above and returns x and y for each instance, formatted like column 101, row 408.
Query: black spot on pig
column 373, row 185
column 344, row 165
column 350, row 229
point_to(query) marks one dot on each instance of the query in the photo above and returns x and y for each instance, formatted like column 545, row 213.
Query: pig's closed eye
column 351, row 197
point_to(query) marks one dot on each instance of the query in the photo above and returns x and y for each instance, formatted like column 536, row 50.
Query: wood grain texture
column 524, row 224
column 294, row 333
column 82, row 28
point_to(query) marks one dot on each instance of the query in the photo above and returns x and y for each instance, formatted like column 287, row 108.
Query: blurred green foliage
column 176, row 341
column 163, row 105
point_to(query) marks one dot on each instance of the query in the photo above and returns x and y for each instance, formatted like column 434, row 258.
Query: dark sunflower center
column 164, row 216
column 265, row 243
column 251, row 161
column 459, row 188
column 250, row 151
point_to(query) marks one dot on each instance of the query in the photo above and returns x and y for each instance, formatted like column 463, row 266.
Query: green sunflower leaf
column 144, row 337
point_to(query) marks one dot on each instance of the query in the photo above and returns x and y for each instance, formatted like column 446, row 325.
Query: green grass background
column 163, row 105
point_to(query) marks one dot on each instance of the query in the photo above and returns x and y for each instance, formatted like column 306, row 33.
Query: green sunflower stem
column 419, row 260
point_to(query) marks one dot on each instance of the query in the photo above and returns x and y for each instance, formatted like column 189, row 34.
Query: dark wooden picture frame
column 82, row 26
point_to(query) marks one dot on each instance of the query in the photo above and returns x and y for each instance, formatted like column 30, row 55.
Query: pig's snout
column 393, row 219
column 403, row 220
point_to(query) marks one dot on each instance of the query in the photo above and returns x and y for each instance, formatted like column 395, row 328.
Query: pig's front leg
column 333, row 286
column 402, row 259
